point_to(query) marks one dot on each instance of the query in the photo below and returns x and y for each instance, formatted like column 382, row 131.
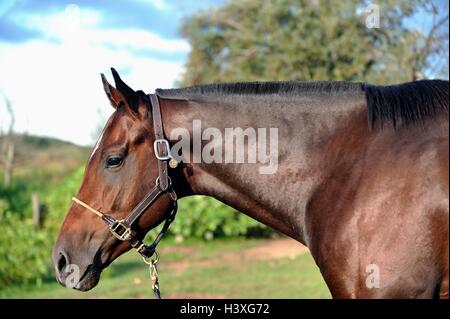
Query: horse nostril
column 63, row 261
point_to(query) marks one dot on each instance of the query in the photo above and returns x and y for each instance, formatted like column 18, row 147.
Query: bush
column 24, row 251
column 15, row 198
column 206, row 218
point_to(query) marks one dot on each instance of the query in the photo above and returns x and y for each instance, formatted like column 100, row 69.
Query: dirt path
column 269, row 249
column 276, row 248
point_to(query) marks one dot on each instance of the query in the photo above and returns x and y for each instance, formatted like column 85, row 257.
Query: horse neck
column 314, row 133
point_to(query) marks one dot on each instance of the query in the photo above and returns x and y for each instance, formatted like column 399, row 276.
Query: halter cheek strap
column 122, row 229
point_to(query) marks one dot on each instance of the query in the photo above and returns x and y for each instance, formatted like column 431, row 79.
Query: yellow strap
column 79, row 202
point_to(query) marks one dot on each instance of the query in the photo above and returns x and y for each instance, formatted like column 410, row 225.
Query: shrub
column 24, row 251
column 206, row 218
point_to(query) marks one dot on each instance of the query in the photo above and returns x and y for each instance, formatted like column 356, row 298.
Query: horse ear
column 114, row 96
column 130, row 96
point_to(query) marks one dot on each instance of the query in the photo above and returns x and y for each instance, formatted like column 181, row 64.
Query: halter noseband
column 122, row 229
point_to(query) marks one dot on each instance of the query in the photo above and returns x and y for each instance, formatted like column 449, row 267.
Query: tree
column 429, row 48
column 267, row 40
column 7, row 146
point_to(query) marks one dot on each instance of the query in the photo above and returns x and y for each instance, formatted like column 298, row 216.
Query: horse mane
column 404, row 103
column 260, row 88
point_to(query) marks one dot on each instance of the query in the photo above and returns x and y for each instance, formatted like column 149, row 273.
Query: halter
column 122, row 229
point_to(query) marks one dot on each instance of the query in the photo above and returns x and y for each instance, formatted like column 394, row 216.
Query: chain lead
column 154, row 277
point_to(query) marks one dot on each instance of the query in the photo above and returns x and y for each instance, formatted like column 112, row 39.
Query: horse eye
column 114, row 161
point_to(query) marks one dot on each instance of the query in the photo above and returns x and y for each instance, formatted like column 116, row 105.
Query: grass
column 206, row 275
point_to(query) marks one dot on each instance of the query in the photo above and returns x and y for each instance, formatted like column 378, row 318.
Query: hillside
column 46, row 156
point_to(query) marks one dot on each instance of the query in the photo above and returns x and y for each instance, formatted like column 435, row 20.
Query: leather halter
column 122, row 229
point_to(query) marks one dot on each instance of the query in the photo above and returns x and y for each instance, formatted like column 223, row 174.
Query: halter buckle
column 167, row 149
column 120, row 231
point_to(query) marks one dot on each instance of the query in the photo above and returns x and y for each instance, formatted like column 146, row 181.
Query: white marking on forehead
column 96, row 146
column 100, row 139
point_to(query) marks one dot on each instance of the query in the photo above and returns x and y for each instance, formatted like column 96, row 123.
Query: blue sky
column 52, row 54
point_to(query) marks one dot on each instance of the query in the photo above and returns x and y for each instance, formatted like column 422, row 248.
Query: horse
column 361, row 177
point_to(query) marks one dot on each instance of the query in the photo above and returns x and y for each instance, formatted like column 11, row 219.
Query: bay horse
column 362, row 178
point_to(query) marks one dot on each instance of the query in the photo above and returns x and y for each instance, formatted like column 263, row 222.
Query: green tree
column 267, row 40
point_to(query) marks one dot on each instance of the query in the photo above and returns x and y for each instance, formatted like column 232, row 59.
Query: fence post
column 36, row 206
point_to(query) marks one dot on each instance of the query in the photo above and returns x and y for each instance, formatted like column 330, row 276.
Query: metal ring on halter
column 148, row 262
column 168, row 178
column 172, row 194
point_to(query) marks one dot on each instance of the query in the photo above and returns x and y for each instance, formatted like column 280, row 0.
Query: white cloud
column 75, row 24
column 55, row 86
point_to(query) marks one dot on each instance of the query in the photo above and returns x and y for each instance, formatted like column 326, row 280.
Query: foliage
column 15, row 198
column 206, row 218
column 25, row 249
column 273, row 40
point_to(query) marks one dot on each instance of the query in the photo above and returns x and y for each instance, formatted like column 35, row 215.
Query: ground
column 238, row 268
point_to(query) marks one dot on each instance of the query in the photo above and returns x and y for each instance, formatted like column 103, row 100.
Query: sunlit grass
column 128, row 277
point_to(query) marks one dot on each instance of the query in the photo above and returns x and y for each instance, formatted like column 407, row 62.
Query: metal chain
column 154, row 278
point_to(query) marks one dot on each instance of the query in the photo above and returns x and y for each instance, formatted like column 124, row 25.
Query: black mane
column 261, row 88
column 402, row 103
column 406, row 103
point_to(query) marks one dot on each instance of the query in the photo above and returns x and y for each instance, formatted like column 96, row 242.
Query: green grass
column 128, row 277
